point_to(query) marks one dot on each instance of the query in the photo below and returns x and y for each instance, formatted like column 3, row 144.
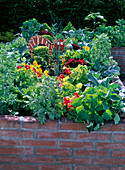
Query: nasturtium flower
column 34, row 70
column 67, row 71
column 76, row 95
column 40, row 70
column 19, row 67
column 86, row 48
column 27, row 66
column 63, row 61
column 23, row 64
column 46, row 72
column 38, row 74
column 35, row 63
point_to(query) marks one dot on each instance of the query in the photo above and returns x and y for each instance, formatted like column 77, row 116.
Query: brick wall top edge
column 30, row 119
column 118, row 48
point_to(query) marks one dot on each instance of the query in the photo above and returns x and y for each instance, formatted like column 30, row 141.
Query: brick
column 111, row 146
column 9, row 142
column 118, row 154
column 17, row 151
column 119, row 137
column 39, row 143
column 38, row 160
column 117, row 57
column 90, row 168
column 113, row 53
column 37, row 125
column 65, row 135
column 53, row 152
column 90, row 153
column 50, row 125
column 17, row 167
column 70, row 144
column 93, row 136
column 110, row 161
column 75, row 160
column 54, row 167
column 112, row 127
column 32, row 125
column 117, row 168
column 9, row 159
column 73, row 126
column 14, row 133
column 121, row 53
column 9, row 124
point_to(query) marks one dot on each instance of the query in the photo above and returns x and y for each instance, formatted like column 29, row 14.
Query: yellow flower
column 63, row 61
column 60, row 57
column 38, row 66
column 23, row 64
column 86, row 48
column 46, row 72
column 35, row 63
column 68, row 51
column 40, row 70
column 31, row 67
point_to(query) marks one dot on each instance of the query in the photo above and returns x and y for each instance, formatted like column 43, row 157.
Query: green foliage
column 69, row 27
column 8, row 99
column 46, row 27
column 44, row 11
column 116, row 34
column 94, row 17
column 44, row 100
column 7, row 36
column 41, row 54
column 30, row 28
column 100, row 56
column 99, row 104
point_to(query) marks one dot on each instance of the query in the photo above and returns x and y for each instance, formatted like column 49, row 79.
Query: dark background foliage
column 14, row 12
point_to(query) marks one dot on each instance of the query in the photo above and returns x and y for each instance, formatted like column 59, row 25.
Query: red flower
column 58, row 78
column 27, row 67
column 38, row 74
column 76, row 95
column 66, row 100
column 67, row 71
column 61, row 76
column 34, row 70
column 19, row 67
column 83, row 62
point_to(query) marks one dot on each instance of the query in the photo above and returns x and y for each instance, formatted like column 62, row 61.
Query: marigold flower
column 19, row 67
column 27, row 66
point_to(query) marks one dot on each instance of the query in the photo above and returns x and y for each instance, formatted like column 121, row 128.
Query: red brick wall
column 65, row 145
column 119, row 55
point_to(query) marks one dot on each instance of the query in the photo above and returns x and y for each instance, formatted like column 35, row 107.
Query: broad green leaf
column 77, row 102
column 97, row 127
column 107, row 115
column 93, row 79
column 115, row 97
column 82, row 113
column 116, row 119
